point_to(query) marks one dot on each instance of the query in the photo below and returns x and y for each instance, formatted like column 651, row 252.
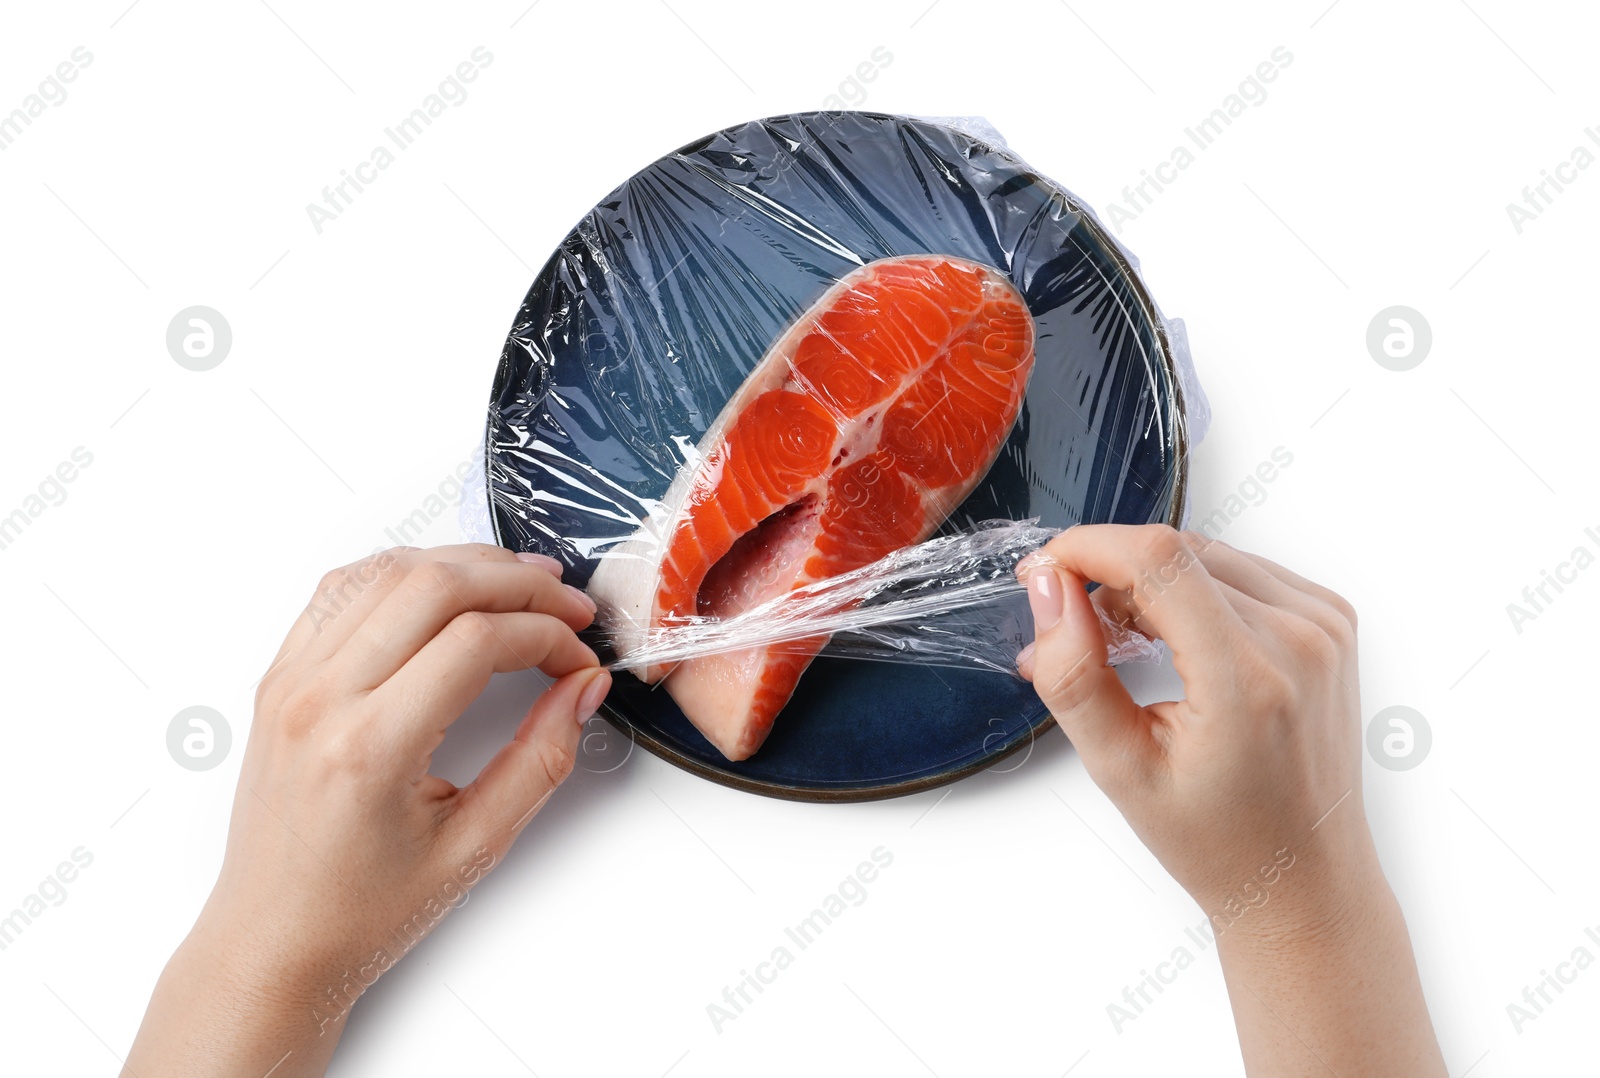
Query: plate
column 661, row 300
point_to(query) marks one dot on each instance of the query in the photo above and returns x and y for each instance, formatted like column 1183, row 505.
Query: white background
column 1018, row 905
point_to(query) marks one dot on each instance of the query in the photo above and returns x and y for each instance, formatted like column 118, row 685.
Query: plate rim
column 830, row 795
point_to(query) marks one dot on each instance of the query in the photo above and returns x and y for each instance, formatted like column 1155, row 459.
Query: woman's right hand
column 1260, row 763
column 1248, row 790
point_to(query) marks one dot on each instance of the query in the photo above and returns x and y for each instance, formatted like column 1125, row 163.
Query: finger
column 1175, row 597
column 1230, row 566
column 1125, row 610
column 1068, row 669
column 1285, row 610
column 1332, row 599
column 514, row 785
column 334, row 592
column 433, row 594
column 431, row 691
column 347, row 596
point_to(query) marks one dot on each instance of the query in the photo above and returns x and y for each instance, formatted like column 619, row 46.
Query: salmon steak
column 868, row 421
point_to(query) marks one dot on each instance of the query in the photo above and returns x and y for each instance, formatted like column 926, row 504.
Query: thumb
column 522, row 776
column 1070, row 674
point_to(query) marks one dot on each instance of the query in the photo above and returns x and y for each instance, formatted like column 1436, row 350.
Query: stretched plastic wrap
column 795, row 348
column 951, row 601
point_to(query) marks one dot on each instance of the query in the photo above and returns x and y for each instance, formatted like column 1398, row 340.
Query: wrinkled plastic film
column 679, row 288
column 951, row 601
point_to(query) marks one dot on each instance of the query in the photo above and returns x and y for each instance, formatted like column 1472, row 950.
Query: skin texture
column 343, row 850
column 1249, row 790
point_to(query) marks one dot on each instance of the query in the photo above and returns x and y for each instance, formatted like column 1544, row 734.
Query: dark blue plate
column 659, row 303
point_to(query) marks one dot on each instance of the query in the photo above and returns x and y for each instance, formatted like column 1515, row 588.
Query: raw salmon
column 866, row 424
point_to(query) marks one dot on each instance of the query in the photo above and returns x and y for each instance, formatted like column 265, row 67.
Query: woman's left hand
column 343, row 850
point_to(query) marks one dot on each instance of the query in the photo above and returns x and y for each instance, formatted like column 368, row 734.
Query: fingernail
column 543, row 561
column 582, row 598
column 1024, row 657
column 594, row 695
column 1044, row 598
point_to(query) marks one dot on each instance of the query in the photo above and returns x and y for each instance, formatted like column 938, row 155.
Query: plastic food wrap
column 684, row 297
column 951, row 601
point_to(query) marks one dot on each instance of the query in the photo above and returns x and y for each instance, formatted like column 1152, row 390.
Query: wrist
column 1325, row 899
column 220, row 1009
column 1291, row 888
column 1322, row 978
column 266, row 977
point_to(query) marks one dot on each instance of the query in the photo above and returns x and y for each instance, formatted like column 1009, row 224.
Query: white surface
column 1006, row 924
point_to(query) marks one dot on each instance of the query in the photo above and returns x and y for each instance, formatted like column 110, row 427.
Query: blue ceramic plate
column 659, row 303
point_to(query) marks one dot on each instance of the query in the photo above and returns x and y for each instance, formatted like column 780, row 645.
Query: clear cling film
column 813, row 353
column 950, row 601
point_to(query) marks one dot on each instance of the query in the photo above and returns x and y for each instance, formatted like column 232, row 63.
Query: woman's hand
column 343, row 850
column 1248, row 790
column 1267, row 740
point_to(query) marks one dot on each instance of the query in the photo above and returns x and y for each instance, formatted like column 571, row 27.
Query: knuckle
column 1064, row 683
column 473, row 629
column 554, row 761
column 1163, row 557
column 1346, row 611
column 348, row 749
column 302, row 708
column 1307, row 638
column 1321, row 644
column 348, row 581
column 431, row 579
column 384, row 568
column 1160, row 545
column 1341, row 633
column 1326, row 646
column 332, row 579
column 335, row 590
column 548, row 635
column 273, row 675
